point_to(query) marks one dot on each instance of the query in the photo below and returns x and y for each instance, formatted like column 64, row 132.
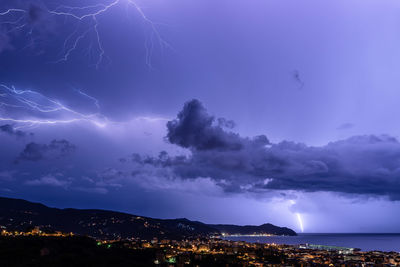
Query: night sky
column 245, row 111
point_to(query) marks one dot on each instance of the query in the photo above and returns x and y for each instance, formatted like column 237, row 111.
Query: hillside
column 252, row 229
column 22, row 215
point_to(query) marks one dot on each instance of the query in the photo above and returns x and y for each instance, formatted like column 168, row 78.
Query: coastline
column 366, row 242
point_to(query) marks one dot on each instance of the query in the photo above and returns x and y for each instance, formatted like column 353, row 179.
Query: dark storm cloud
column 196, row 129
column 55, row 150
column 10, row 130
column 366, row 164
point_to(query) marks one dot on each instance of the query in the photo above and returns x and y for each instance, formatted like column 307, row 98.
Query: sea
column 365, row 242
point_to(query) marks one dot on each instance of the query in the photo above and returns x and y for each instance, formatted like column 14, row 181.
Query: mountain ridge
column 20, row 215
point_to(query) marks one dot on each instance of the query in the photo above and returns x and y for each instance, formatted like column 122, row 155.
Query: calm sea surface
column 366, row 242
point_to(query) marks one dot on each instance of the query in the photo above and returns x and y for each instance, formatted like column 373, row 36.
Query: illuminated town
column 214, row 251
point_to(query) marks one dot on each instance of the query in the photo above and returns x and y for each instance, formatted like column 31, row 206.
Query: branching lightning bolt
column 85, row 27
column 95, row 100
column 31, row 108
column 86, row 17
column 33, row 101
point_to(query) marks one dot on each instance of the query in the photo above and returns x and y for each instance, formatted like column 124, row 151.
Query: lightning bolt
column 298, row 216
column 33, row 101
column 95, row 101
column 12, row 10
column 300, row 222
column 86, row 21
column 40, row 109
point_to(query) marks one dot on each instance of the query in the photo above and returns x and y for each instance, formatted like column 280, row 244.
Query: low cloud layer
column 55, row 150
column 364, row 165
column 49, row 180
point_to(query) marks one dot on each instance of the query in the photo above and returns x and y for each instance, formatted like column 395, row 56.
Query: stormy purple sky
column 224, row 111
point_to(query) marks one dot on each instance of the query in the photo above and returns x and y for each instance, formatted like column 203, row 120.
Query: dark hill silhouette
column 22, row 215
column 266, row 228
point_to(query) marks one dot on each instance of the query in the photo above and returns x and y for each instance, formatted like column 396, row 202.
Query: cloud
column 96, row 190
column 6, row 176
column 195, row 129
column 230, row 124
column 50, row 180
column 345, row 126
column 55, row 150
column 9, row 129
column 364, row 165
column 110, row 177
